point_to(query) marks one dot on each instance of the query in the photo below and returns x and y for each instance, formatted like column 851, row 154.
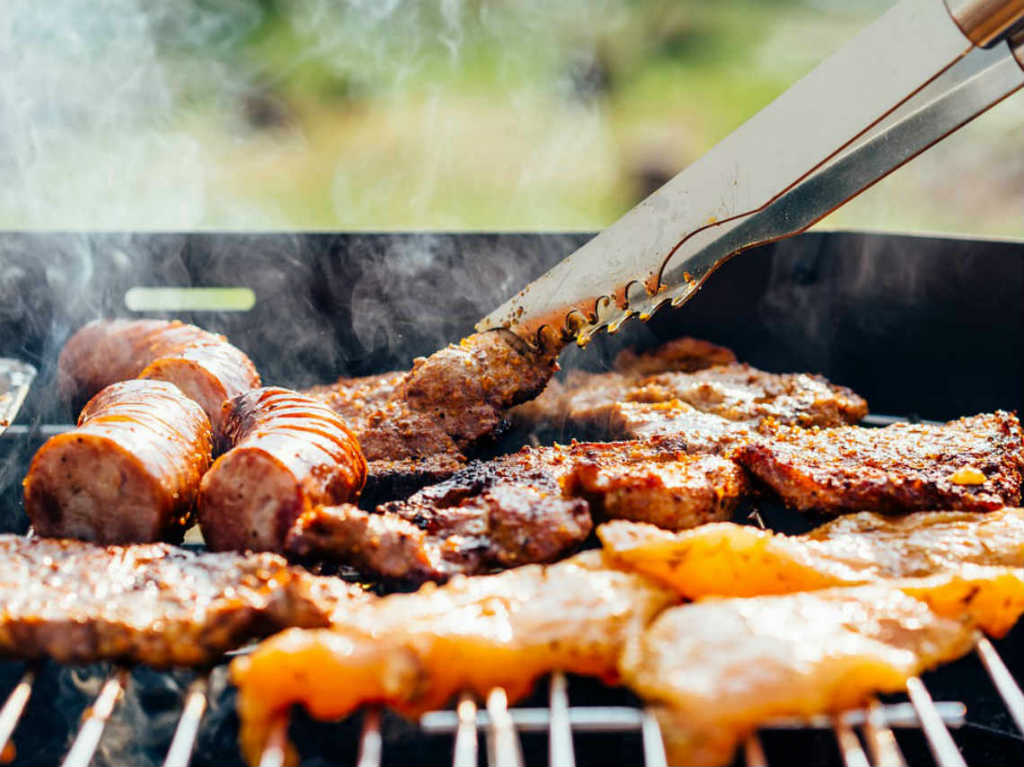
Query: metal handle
column 986, row 21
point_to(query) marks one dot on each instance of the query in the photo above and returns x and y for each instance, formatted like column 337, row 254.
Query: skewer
column 753, row 751
column 502, row 741
column 180, row 752
column 370, row 744
column 560, row 748
column 939, row 740
column 95, row 719
column 10, row 714
column 849, row 744
column 881, row 740
column 654, row 746
column 277, row 738
column 1006, row 685
column 465, row 734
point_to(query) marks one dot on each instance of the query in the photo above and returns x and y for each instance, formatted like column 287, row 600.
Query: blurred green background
column 440, row 114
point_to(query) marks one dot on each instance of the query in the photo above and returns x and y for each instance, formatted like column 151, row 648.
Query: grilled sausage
column 203, row 365
column 129, row 472
column 291, row 453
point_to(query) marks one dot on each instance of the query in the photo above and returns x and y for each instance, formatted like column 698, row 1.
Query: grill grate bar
column 95, row 719
column 939, row 740
column 277, row 739
column 654, row 746
column 881, row 740
column 465, row 752
column 502, row 740
column 14, row 707
column 753, row 751
column 849, row 744
column 180, row 752
column 1003, row 680
column 560, row 748
column 370, row 742
column 626, row 719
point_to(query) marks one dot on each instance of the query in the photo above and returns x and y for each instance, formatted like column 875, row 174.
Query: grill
column 923, row 327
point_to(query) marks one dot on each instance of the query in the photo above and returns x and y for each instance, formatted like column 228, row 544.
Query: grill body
column 923, row 327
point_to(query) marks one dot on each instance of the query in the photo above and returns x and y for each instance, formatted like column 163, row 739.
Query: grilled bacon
column 290, row 453
column 128, row 473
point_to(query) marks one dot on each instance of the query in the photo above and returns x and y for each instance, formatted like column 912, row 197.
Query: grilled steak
column 972, row 464
column 203, row 365
column 444, row 405
column 150, row 603
column 729, row 560
column 415, row 651
column 530, row 506
column 290, row 453
column 128, row 473
column 716, row 670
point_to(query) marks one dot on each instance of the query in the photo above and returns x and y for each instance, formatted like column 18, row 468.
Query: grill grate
column 503, row 725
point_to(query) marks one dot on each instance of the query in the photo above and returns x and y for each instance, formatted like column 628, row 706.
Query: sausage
column 291, row 453
column 130, row 471
column 203, row 365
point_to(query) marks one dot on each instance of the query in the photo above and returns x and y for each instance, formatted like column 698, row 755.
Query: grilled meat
column 203, row 365
column 128, row 473
column 716, row 670
column 972, row 464
column 530, row 506
column 415, row 651
column 150, row 603
column 290, row 453
column 729, row 560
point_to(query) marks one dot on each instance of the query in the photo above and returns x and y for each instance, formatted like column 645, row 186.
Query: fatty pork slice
column 129, row 472
column 416, row 651
column 716, row 670
column 730, row 560
column 291, row 453
column 202, row 364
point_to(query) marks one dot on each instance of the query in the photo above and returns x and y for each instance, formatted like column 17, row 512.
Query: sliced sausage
column 290, row 453
column 203, row 365
column 130, row 471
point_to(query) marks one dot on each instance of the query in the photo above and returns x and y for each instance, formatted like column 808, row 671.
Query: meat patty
column 128, row 473
column 203, row 365
column 531, row 506
column 447, row 403
column 150, row 603
column 971, row 464
column 290, row 453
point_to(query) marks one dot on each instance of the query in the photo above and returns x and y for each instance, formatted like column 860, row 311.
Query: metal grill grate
column 863, row 737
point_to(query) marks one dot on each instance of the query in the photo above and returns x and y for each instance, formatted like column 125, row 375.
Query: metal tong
column 917, row 74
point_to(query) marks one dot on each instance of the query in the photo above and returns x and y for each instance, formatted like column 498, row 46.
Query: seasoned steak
column 150, row 603
column 444, row 405
column 531, row 506
column 971, row 464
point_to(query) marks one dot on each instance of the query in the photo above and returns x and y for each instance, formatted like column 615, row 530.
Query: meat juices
column 128, row 473
column 203, row 365
column 291, row 453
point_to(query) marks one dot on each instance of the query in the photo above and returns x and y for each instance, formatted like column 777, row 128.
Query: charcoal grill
column 924, row 327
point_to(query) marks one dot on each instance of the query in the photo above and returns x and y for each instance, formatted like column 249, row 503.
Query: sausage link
column 129, row 472
column 291, row 453
column 202, row 364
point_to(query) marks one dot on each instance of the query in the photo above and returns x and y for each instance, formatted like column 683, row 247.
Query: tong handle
column 986, row 22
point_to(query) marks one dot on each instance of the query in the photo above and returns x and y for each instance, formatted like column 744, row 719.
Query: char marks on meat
column 971, row 464
column 531, row 506
column 150, row 603
column 445, row 404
